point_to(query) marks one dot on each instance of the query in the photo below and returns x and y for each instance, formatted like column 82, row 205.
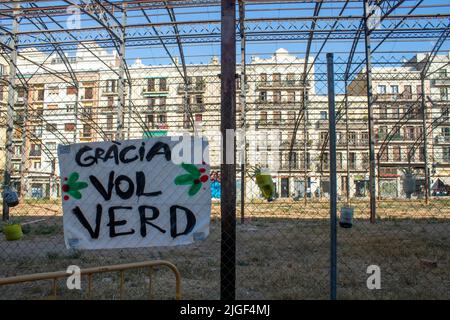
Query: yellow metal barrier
column 90, row 271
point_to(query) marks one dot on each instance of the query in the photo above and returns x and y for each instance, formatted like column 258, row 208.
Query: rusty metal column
column 12, row 93
column 228, row 165
column 372, row 176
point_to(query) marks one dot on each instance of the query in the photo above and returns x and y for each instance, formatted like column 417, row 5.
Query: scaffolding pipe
column 121, row 86
column 372, row 177
column 425, row 138
column 24, row 156
column 12, row 92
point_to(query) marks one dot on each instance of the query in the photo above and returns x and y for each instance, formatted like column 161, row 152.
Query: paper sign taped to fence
column 135, row 193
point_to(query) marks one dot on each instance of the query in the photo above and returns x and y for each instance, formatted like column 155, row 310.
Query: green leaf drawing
column 73, row 177
column 75, row 194
column 191, row 169
column 194, row 189
column 184, row 179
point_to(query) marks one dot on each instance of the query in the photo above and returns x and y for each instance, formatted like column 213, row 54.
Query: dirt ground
column 282, row 253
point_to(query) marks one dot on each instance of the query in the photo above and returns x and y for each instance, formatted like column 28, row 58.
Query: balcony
column 35, row 153
column 442, row 139
column 192, row 88
column 442, row 82
column 195, row 108
column 392, row 97
column 286, row 84
column 152, row 92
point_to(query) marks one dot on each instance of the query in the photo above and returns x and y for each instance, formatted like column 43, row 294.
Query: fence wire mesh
column 85, row 71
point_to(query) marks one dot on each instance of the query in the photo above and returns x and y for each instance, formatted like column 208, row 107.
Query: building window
column 150, row 85
column 276, row 78
column 276, row 117
column 444, row 94
column 40, row 94
column 53, row 91
column 397, row 153
column 17, row 150
column 151, row 102
column 352, row 138
column 263, row 96
column 291, row 116
column 263, row 78
column 263, row 117
column 394, row 89
column 385, row 154
column 37, row 165
column 70, row 107
column 110, row 102
column 111, row 86
column 410, row 133
column 88, row 93
column 381, row 89
column 339, row 160
column 35, row 150
column 150, row 120
column 407, row 92
column 162, row 119
column 325, row 161
column 162, row 84
column 51, row 127
column 290, row 79
column 69, row 126
column 51, row 146
column 199, row 84
column 86, row 130
column 199, row 99
column 71, row 90
column 446, row 154
column 352, row 160
column 277, row 96
column 109, row 122
column 323, row 115
column 291, row 96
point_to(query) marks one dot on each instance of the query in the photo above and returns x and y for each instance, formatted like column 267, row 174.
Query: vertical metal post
column 347, row 182
column 75, row 110
column 228, row 170
column 242, row 101
column 425, row 140
column 10, row 108
column 333, row 176
column 372, row 177
column 305, row 140
column 24, row 156
column 130, row 91
column 121, row 85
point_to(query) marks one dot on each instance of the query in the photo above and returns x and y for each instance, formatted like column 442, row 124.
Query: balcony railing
column 281, row 84
column 442, row 82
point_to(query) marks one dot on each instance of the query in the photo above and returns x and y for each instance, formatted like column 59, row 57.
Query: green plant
column 253, row 171
column 408, row 171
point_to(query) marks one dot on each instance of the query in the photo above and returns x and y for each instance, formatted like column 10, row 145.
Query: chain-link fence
column 85, row 71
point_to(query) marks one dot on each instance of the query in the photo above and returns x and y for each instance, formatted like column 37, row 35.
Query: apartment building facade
column 285, row 125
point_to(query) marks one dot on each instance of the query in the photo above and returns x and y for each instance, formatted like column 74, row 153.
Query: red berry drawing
column 73, row 187
column 194, row 178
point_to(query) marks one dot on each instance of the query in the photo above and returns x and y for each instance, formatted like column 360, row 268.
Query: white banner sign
column 135, row 193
